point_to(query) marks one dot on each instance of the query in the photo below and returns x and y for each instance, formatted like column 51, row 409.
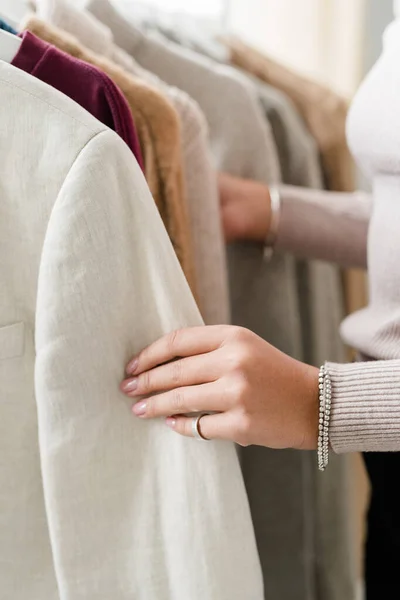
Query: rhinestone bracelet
column 325, row 400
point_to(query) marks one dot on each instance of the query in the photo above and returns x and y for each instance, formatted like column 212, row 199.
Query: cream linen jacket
column 94, row 504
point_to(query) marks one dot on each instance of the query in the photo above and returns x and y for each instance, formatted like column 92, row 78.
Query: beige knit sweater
column 324, row 111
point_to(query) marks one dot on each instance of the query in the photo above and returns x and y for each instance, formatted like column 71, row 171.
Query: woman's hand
column 245, row 208
column 260, row 396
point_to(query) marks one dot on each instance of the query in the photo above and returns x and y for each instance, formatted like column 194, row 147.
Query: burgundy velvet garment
column 83, row 83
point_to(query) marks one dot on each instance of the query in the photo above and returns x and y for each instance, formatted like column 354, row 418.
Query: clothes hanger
column 9, row 46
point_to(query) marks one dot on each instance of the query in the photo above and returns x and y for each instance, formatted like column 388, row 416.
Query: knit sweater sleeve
column 331, row 226
column 366, row 407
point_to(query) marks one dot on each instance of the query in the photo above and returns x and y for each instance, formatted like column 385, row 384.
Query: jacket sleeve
column 329, row 226
column 133, row 510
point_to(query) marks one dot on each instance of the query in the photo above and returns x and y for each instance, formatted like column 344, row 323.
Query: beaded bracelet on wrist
column 325, row 401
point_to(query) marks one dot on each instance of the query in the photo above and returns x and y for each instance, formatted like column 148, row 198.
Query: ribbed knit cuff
column 365, row 413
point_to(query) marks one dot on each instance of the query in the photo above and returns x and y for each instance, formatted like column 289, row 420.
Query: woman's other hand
column 245, row 208
column 260, row 396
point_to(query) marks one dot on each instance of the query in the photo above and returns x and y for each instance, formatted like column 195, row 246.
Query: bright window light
column 202, row 8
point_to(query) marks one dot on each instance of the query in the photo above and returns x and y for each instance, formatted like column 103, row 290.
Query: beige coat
column 324, row 111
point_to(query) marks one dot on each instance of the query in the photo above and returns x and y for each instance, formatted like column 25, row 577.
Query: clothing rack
column 187, row 109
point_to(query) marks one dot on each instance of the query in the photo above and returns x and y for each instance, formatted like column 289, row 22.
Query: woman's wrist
column 246, row 209
column 259, row 199
column 311, row 408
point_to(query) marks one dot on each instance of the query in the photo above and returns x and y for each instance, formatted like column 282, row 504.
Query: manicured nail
column 140, row 409
column 132, row 366
column 171, row 423
column 130, row 386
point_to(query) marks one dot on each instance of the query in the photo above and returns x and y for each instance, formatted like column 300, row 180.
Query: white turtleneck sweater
column 357, row 230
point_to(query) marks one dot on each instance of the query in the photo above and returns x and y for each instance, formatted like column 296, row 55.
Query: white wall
column 208, row 8
column 321, row 38
column 285, row 28
column 15, row 9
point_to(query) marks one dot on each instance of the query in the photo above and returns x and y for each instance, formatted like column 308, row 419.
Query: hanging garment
column 198, row 172
column 325, row 114
column 329, row 571
column 322, row 309
column 238, row 132
column 321, row 302
column 324, row 111
column 320, row 285
column 186, row 32
column 296, row 148
column 94, row 503
column 202, row 197
column 151, row 107
column 262, row 295
column 298, row 152
column 296, row 538
column 320, row 288
column 86, row 85
column 320, row 296
column 204, row 211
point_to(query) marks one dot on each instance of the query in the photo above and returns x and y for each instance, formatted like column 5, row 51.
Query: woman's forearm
column 313, row 224
column 329, row 226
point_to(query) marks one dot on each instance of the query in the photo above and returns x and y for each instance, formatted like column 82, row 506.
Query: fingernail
column 132, row 366
column 140, row 409
column 130, row 386
column 171, row 423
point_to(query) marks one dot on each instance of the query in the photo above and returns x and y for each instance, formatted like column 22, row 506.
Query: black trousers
column 382, row 563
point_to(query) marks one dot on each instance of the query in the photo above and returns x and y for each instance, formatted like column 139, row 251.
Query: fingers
column 186, row 400
column 211, row 427
column 182, row 343
column 186, row 372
